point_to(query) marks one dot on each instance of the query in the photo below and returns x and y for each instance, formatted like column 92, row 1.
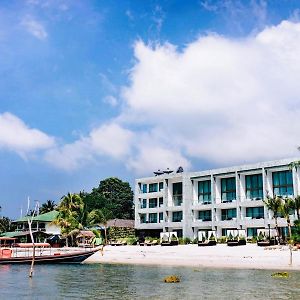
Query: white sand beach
column 220, row 256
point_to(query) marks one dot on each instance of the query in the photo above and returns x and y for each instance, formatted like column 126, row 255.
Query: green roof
column 47, row 217
column 14, row 233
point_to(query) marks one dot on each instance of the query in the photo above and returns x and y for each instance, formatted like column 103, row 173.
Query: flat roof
column 224, row 170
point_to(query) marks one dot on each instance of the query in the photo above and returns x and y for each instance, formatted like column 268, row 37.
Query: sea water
column 104, row 281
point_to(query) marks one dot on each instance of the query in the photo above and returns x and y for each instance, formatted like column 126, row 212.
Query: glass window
column 177, row 193
column 177, row 188
column 143, row 218
column 161, row 186
column 144, row 203
column 161, row 201
column 161, row 216
column 152, row 202
column 228, row 214
column 255, row 212
column 153, row 187
column 254, row 186
column 251, row 232
column 204, row 215
column 144, row 188
column 204, row 191
column 177, row 216
column 152, row 218
column 283, row 183
column 228, row 189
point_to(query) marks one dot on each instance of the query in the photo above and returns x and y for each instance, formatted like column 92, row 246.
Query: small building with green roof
column 42, row 222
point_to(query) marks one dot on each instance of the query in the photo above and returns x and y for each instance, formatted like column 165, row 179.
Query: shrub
column 222, row 240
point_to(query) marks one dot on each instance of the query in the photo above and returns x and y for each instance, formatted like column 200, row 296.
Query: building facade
column 219, row 199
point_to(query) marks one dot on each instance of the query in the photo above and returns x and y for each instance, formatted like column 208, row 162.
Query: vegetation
column 5, row 224
column 113, row 195
column 48, row 206
column 274, row 205
column 112, row 199
column 296, row 231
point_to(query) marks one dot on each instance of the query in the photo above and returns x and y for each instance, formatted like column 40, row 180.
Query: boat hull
column 51, row 259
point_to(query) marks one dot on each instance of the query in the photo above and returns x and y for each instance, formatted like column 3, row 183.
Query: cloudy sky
column 91, row 89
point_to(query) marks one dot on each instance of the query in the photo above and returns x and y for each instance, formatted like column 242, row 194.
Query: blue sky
column 91, row 89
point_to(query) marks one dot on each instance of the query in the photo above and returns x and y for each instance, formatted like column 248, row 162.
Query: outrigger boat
column 24, row 253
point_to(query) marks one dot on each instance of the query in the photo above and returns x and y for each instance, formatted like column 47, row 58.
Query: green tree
column 297, row 206
column 48, row 206
column 114, row 195
column 70, row 216
column 99, row 217
column 5, row 224
column 287, row 209
column 274, row 204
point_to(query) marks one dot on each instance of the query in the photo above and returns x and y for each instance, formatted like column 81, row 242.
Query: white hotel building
column 219, row 199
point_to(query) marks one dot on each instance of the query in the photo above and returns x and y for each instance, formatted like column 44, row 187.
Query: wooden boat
column 10, row 255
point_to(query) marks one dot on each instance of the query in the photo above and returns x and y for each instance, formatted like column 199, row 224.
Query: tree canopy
column 113, row 195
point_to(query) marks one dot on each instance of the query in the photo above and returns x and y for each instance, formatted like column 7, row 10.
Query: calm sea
column 97, row 281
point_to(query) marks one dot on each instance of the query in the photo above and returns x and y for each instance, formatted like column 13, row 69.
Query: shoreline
column 220, row 256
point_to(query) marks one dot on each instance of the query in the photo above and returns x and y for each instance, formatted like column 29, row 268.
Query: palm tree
column 48, row 206
column 99, row 216
column 274, row 204
column 70, row 216
column 287, row 209
column 297, row 206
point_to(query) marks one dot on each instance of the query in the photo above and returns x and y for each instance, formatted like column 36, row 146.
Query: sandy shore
column 220, row 256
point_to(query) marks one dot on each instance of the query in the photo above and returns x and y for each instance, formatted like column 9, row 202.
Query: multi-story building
column 219, row 199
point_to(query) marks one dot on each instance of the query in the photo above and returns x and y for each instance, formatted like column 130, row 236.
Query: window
column 204, row 191
column 144, row 188
column 251, row 232
column 152, row 202
column 153, row 187
column 143, row 218
column 152, row 218
column 228, row 189
column 255, row 212
column 144, row 203
column 254, row 186
column 204, row 215
column 161, row 186
column 177, row 193
column 177, row 216
column 228, row 214
column 283, row 183
column 161, row 217
column 161, row 201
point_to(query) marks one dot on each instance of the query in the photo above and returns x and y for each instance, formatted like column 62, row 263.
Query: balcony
column 202, row 223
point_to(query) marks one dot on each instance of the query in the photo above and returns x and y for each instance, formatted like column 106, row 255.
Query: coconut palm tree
column 297, row 206
column 70, row 216
column 99, row 216
column 287, row 209
column 48, row 206
column 274, row 204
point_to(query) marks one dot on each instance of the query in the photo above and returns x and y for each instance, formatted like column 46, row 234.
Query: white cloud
column 16, row 136
column 108, row 140
column 150, row 158
column 34, row 27
column 219, row 99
